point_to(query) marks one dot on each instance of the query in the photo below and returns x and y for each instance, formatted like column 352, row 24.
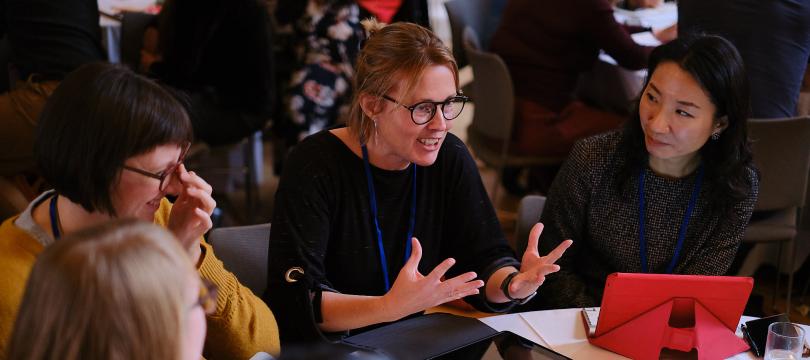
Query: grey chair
column 490, row 133
column 228, row 167
column 781, row 149
column 243, row 250
column 464, row 13
column 529, row 212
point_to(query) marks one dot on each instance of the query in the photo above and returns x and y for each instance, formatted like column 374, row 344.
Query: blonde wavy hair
column 393, row 55
column 116, row 291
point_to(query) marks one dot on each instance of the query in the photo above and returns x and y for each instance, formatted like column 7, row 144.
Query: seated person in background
column 672, row 192
column 219, row 52
column 775, row 50
column 547, row 45
column 47, row 40
column 122, row 290
column 119, row 161
column 325, row 41
column 353, row 201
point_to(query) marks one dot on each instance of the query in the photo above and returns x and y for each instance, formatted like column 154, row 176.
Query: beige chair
column 781, row 149
column 244, row 251
column 490, row 133
column 529, row 212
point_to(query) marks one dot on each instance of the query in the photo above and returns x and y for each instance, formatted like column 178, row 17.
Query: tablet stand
column 644, row 336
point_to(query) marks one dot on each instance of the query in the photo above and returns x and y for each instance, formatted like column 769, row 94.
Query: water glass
column 785, row 341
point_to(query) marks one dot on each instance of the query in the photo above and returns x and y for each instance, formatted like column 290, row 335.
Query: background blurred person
column 219, row 52
column 121, row 160
column 47, row 40
column 773, row 38
column 547, row 45
column 324, row 42
column 122, row 290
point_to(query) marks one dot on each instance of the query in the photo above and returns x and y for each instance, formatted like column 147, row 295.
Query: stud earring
column 716, row 136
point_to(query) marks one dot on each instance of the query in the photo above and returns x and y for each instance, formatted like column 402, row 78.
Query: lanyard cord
column 681, row 231
column 55, row 218
column 373, row 204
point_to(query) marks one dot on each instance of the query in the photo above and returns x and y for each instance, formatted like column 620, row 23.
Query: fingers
column 416, row 255
column 534, row 239
column 441, row 269
column 190, row 178
column 200, row 199
column 558, row 252
column 462, row 286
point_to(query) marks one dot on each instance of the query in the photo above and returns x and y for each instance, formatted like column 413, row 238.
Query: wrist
column 387, row 309
column 506, row 284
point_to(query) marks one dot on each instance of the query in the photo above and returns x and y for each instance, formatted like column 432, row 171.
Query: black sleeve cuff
column 480, row 301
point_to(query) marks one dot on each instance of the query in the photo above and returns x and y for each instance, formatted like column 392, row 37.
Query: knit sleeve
column 565, row 217
column 242, row 324
column 715, row 257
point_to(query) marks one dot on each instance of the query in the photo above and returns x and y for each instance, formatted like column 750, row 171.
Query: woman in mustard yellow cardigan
column 111, row 143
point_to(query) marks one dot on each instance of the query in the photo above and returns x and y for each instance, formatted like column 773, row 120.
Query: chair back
column 464, row 13
column 781, row 150
column 529, row 212
column 244, row 250
column 495, row 100
column 133, row 26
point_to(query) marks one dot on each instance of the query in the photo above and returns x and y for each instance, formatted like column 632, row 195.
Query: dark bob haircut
column 98, row 117
column 717, row 66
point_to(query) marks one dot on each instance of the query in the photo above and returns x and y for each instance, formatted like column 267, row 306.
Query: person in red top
column 547, row 45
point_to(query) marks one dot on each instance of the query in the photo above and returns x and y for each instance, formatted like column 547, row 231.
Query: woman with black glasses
column 387, row 217
column 112, row 145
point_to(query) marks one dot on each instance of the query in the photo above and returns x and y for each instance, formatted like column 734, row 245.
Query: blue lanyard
column 681, row 231
column 54, row 218
column 373, row 203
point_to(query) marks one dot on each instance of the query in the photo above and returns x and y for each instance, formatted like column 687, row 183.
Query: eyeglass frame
column 166, row 172
column 435, row 104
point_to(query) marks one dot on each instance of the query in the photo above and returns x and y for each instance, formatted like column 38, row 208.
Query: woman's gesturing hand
column 413, row 292
column 534, row 268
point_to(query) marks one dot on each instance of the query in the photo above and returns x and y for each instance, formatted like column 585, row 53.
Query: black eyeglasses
column 423, row 112
column 165, row 175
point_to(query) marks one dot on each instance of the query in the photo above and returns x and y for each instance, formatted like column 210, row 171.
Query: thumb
column 416, row 255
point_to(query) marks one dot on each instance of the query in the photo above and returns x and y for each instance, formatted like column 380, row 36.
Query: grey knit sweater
column 585, row 205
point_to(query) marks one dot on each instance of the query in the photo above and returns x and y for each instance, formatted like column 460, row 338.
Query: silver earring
column 716, row 136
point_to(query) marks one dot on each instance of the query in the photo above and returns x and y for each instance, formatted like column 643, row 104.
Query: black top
column 584, row 205
column 773, row 38
column 322, row 223
column 51, row 38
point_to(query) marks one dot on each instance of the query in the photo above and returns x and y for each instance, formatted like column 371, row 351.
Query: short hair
column 717, row 66
column 99, row 116
column 393, row 55
column 115, row 291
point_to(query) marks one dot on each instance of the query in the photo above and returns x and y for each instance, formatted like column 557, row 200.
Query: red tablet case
column 644, row 313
